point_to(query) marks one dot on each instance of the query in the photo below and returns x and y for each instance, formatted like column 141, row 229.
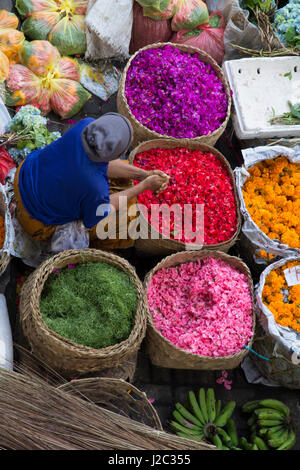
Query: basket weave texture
column 142, row 133
column 160, row 245
column 60, row 353
column 165, row 354
column 117, row 396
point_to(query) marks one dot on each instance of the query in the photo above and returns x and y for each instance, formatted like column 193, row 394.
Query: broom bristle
column 38, row 416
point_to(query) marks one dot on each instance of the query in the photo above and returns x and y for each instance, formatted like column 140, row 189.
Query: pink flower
column 224, row 379
column 203, row 307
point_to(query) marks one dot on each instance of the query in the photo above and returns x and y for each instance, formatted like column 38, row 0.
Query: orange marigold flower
column 272, row 197
column 285, row 308
column 295, row 293
column 290, row 238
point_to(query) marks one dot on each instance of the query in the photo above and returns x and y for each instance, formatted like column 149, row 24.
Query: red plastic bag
column 6, row 164
column 208, row 37
column 147, row 31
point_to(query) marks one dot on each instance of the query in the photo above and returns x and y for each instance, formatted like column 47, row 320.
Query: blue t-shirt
column 60, row 184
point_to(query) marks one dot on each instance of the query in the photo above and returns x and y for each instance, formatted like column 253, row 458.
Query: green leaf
column 295, row 110
column 288, row 75
column 290, row 35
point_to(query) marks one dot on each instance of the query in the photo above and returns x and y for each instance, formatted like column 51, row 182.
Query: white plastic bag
column 108, row 29
column 284, row 337
column 9, row 231
column 239, row 31
column 4, row 117
column 258, row 239
column 101, row 79
column 6, row 342
column 31, row 252
column 71, row 236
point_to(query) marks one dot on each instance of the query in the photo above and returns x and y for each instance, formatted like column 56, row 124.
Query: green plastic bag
column 69, row 35
column 189, row 15
column 59, row 21
column 47, row 80
column 159, row 9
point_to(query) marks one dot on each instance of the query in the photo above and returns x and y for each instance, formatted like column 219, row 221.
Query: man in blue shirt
column 69, row 179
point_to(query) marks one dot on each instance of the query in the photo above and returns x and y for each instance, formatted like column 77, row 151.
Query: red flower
column 195, row 178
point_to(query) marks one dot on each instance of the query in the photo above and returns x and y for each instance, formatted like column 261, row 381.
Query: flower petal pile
column 283, row 301
column 272, row 198
column 195, row 178
column 202, row 307
column 174, row 93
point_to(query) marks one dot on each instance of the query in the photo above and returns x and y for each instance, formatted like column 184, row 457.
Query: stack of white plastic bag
column 108, row 29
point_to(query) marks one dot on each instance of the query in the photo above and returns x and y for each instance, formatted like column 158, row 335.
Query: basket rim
column 38, row 280
column 66, row 387
column 197, row 255
column 220, row 156
column 190, row 49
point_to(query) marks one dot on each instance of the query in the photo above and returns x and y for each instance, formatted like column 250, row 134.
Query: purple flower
column 174, row 93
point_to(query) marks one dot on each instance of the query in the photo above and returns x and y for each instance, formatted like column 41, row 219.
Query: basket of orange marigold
column 269, row 191
column 278, row 334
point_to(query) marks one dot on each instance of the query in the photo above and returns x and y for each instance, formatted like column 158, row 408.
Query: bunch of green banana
column 270, row 424
column 203, row 418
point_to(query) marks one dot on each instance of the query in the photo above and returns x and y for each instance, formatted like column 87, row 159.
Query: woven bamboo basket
column 162, row 352
column 59, row 353
column 159, row 244
column 4, row 254
column 117, row 396
column 279, row 365
column 279, row 368
column 142, row 133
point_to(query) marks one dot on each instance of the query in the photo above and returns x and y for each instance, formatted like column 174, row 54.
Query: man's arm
column 120, row 169
column 153, row 183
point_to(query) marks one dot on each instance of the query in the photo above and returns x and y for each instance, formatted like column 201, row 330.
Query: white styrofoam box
column 258, row 85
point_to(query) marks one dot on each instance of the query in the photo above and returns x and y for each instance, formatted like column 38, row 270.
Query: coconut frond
column 39, row 416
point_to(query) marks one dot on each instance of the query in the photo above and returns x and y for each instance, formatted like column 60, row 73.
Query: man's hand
column 156, row 183
column 163, row 175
